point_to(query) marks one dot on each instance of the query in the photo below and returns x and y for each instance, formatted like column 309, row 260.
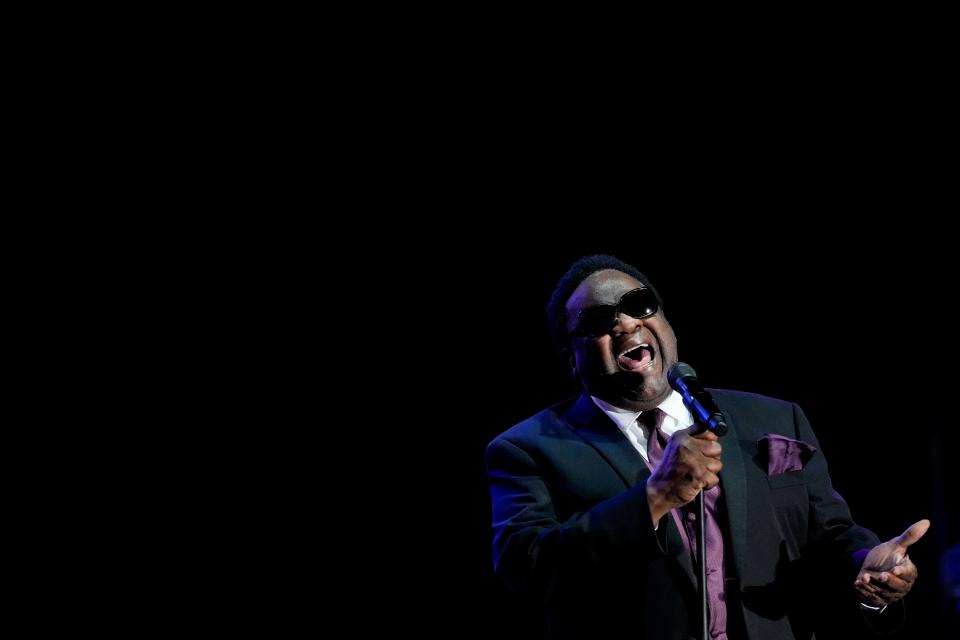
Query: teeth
column 643, row 345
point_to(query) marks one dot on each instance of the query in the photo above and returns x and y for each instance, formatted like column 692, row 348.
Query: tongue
column 638, row 359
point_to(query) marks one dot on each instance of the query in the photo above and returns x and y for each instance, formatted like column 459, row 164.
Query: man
column 590, row 499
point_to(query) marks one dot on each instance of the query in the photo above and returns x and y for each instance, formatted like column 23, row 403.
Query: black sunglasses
column 598, row 320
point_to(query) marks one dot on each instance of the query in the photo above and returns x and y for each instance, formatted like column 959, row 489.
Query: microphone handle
column 705, row 413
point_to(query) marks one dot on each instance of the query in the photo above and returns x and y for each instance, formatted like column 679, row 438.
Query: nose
column 626, row 323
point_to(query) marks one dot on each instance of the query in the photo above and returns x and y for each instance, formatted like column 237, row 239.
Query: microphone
column 698, row 400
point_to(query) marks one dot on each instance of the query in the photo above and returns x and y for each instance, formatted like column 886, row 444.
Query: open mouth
column 636, row 357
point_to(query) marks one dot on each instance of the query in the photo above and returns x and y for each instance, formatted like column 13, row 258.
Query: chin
column 639, row 391
column 650, row 393
column 629, row 387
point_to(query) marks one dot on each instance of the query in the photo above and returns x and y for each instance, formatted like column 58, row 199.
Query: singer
column 591, row 516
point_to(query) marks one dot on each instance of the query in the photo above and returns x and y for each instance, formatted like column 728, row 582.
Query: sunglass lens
column 597, row 320
column 639, row 304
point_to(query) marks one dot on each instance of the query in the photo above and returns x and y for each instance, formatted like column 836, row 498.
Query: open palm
column 887, row 573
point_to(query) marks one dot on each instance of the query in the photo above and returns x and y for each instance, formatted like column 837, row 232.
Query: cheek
column 668, row 342
column 595, row 357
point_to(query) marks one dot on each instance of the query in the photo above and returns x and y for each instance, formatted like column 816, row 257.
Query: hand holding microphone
column 691, row 459
column 690, row 463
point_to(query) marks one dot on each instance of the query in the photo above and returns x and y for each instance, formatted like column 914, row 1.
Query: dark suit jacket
column 573, row 531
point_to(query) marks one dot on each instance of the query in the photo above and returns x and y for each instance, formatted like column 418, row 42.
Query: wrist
column 857, row 558
column 658, row 503
column 870, row 607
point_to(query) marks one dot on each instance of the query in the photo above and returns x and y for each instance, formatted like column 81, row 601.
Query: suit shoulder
column 755, row 414
column 746, row 399
column 548, row 422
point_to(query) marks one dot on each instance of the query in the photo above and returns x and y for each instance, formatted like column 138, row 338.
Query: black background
column 851, row 319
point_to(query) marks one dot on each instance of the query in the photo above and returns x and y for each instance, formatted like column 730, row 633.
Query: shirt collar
column 672, row 406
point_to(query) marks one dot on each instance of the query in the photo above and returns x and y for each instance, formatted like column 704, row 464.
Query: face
column 627, row 366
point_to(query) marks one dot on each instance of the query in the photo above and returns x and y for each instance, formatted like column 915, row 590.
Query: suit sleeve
column 558, row 562
column 836, row 543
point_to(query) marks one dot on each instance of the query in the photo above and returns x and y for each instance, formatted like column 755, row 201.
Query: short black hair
column 579, row 271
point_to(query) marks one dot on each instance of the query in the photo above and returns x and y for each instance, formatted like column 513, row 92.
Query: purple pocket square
column 784, row 454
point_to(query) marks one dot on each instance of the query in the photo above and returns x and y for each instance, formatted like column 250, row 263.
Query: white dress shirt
column 676, row 417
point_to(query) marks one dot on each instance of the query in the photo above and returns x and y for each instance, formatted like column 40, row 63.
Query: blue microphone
column 698, row 400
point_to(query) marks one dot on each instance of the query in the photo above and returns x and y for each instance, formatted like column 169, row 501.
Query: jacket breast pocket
column 786, row 479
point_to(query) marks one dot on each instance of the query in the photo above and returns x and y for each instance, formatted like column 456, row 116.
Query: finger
column 913, row 533
column 705, row 447
column 863, row 583
column 710, row 480
column 715, row 466
column 706, row 435
column 877, row 593
column 906, row 570
column 887, row 582
column 867, row 591
column 873, row 577
column 869, row 597
column 711, row 450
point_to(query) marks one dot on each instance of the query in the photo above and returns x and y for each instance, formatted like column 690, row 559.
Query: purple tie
column 656, row 439
column 716, row 595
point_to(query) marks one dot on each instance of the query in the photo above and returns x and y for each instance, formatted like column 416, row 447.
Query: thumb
column 683, row 432
column 706, row 434
column 913, row 533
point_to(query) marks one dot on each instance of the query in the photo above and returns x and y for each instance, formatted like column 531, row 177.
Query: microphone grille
column 679, row 371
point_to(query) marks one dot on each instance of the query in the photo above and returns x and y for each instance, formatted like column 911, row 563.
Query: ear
column 571, row 361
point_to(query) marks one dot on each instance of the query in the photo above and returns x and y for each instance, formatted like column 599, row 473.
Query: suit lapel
column 596, row 427
column 599, row 431
column 733, row 484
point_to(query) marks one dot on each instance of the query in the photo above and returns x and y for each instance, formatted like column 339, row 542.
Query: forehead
column 602, row 287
